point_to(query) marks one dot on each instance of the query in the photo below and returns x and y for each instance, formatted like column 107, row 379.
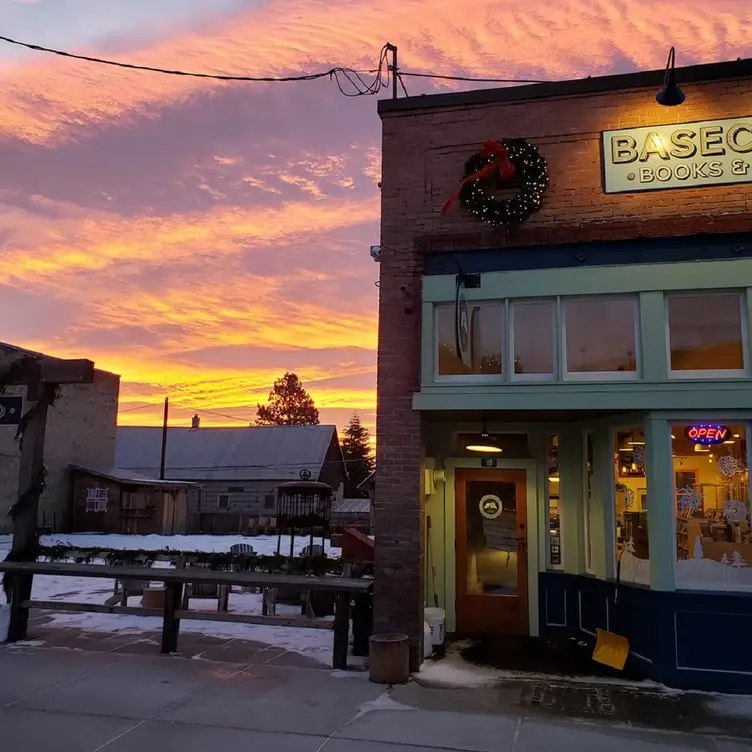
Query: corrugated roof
column 249, row 453
column 351, row 506
column 126, row 476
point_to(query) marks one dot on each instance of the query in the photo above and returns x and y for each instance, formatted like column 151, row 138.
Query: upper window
column 600, row 336
column 472, row 345
column 534, row 338
column 223, row 501
column 705, row 333
column 96, row 499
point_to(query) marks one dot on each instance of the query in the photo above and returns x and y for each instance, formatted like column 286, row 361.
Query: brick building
column 235, row 471
column 583, row 355
column 80, row 429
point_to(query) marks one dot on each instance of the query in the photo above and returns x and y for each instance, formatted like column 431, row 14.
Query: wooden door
column 491, row 552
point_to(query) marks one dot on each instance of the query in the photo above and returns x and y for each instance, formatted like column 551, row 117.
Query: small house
column 119, row 501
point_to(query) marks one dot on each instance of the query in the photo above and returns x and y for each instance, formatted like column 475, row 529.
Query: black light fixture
column 485, row 445
column 670, row 95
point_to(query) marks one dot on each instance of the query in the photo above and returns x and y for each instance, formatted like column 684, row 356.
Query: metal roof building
column 276, row 453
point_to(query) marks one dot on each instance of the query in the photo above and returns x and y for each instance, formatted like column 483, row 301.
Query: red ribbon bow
column 500, row 164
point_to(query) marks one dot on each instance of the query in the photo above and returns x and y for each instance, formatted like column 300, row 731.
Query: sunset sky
column 200, row 238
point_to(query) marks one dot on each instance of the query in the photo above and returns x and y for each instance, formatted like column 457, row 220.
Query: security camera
column 375, row 253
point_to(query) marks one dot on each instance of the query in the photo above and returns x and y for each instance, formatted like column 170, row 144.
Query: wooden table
column 175, row 580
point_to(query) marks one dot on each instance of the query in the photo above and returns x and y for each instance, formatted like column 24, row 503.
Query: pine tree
column 356, row 449
column 737, row 560
column 289, row 405
column 725, row 560
column 629, row 547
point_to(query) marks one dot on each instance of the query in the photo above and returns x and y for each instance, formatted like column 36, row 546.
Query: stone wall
column 80, row 430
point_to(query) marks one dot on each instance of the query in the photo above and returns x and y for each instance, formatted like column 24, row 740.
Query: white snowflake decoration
column 638, row 455
column 629, row 498
column 689, row 499
column 734, row 510
column 728, row 466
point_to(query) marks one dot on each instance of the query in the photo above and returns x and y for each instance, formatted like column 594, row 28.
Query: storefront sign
column 707, row 434
column 490, row 506
column 712, row 152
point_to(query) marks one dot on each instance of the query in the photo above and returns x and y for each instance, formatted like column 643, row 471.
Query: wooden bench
column 175, row 581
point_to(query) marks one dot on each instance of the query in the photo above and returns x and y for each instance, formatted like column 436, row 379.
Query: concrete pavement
column 84, row 701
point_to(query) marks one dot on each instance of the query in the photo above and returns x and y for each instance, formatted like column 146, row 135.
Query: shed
column 113, row 500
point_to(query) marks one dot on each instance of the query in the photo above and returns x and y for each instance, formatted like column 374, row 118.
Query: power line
column 351, row 75
column 475, row 79
column 140, row 407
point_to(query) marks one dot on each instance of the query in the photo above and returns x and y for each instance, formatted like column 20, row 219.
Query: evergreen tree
column 737, row 560
column 289, row 405
column 356, row 449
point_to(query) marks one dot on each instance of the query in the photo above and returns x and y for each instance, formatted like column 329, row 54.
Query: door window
column 492, row 549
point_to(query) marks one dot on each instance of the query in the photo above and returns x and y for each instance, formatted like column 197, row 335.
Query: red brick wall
column 424, row 152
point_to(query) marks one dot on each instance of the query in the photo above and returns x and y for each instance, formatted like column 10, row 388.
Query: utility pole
column 393, row 68
column 164, row 438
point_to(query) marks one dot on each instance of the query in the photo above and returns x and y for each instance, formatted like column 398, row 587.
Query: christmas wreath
column 497, row 162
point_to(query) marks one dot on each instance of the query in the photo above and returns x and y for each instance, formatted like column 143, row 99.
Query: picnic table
column 175, row 581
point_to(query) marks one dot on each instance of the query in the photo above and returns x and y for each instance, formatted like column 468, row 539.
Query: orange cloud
column 64, row 247
column 49, row 100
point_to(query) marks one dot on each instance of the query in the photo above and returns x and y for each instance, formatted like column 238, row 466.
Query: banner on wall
column 683, row 155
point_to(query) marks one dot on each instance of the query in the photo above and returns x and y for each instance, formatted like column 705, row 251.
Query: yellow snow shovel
column 612, row 649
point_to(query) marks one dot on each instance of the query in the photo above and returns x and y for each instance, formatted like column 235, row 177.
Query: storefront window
column 588, row 481
column 711, row 497
column 705, row 332
column 600, row 335
column 631, row 499
column 480, row 340
column 533, row 338
column 554, row 518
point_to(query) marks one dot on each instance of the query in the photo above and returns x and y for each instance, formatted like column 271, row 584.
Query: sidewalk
column 75, row 700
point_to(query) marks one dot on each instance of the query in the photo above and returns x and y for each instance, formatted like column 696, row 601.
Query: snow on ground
column 734, row 705
column 314, row 643
column 454, row 672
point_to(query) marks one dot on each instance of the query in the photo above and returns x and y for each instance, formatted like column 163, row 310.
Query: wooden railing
column 344, row 589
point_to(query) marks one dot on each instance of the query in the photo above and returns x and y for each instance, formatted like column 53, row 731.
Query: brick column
column 398, row 514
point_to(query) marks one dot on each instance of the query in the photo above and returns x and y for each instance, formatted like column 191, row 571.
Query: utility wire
column 353, row 77
column 476, row 79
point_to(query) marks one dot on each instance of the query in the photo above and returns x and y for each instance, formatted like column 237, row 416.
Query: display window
column 554, row 508
column 631, row 506
column 711, row 499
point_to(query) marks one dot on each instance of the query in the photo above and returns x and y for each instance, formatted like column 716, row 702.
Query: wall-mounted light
column 670, row 95
column 485, row 444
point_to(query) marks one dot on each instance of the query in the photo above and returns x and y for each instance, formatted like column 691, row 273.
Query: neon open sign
column 707, row 434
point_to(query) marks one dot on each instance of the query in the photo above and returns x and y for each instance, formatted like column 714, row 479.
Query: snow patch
column 382, row 702
column 453, row 672
column 731, row 705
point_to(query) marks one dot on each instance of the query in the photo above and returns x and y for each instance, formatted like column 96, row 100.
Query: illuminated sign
column 712, row 152
column 707, row 434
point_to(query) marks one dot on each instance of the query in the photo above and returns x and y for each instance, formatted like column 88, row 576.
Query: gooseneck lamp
column 670, row 95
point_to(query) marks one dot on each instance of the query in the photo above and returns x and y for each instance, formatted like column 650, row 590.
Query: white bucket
column 436, row 619
column 4, row 622
column 427, row 640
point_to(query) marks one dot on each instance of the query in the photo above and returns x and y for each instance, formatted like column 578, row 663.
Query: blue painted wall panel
column 690, row 640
